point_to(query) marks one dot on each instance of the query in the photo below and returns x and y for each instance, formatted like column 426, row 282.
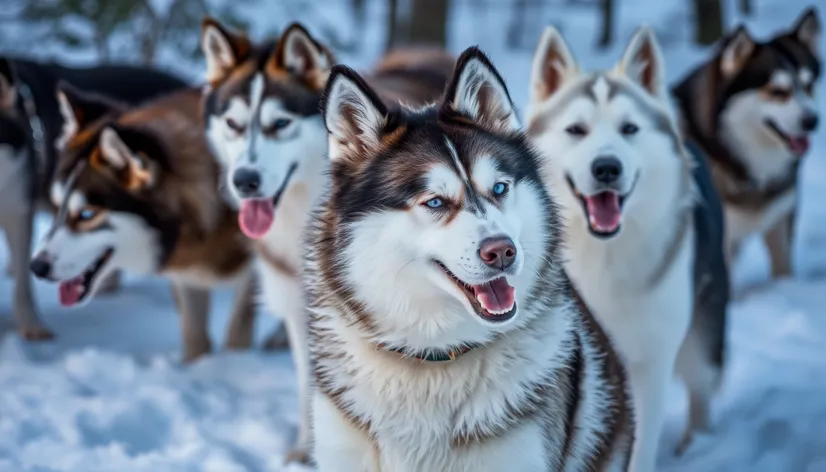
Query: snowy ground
column 109, row 394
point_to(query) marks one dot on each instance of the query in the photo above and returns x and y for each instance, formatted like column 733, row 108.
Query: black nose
column 809, row 123
column 246, row 180
column 40, row 267
column 606, row 169
column 498, row 252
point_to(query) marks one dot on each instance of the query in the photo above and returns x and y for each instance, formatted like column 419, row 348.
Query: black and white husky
column 643, row 223
column 444, row 335
column 751, row 109
column 30, row 125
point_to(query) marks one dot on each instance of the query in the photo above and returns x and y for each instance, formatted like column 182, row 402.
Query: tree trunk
column 746, row 7
column 517, row 27
column 607, row 35
column 426, row 25
column 708, row 21
column 392, row 24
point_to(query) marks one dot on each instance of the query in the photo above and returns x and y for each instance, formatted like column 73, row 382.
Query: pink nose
column 499, row 252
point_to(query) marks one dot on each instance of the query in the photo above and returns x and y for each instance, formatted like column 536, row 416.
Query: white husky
column 618, row 166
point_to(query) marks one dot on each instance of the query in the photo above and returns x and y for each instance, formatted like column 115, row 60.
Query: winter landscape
column 109, row 394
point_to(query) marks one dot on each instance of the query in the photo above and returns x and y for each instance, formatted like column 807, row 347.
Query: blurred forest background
column 137, row 30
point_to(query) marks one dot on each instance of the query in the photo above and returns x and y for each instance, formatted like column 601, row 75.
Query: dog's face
column 608, row 138
column 768, row 91
column 14, row 129
column 442, row 218
column 104, row 220
column 262, row 115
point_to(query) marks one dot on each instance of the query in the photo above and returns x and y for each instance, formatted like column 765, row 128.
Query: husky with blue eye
column 444, row 335
column 644, row 225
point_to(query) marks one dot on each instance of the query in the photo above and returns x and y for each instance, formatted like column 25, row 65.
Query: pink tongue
column 495, row 296
column 70, row 291
column 256, row 217
column 603, row 211
column 799, row 146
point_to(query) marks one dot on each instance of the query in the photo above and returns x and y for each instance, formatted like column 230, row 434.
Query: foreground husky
column 263, row 119
column 135, row 190
column 30, row 122
column 444, row 334
column 751, row 109
column 638, row 248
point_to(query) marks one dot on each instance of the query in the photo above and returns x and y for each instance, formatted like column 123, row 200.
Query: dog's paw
column 36, row 333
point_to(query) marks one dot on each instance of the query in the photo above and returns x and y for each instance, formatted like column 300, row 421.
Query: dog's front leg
column 242, row 318
column 18, row 229
column 339, row 445
column 778, row 241
column 649, row 385
column 193, row 307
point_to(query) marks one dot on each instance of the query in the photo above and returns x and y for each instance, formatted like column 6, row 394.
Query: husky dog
column 645, row 255
column 135, row 190
column 263, row 119
column 751, row 109
column 444, row 334
column 30, row 121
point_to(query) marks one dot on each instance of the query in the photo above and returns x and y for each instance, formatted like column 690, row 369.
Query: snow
column 110, row 395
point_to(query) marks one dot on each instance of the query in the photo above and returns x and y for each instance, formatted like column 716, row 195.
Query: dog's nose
column 606, row 169
column 809, row 122
column 498, row 252
column 246, row 180
column 40, row 267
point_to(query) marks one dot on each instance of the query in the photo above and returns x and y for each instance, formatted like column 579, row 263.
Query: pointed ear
column 222, row 48
column 353, row 114
column 132, row 171
column 807, row 29
column 553, row 64
column 478, row 92
column 643, row 62
column 78, row 109
column 8, row 91
column 737, row 49
column 300, row 54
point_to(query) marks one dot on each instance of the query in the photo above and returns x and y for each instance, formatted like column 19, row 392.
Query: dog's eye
column 576, row 130
column 235, row 126
column 500, row 188
column 277, row 125
column 629, row 129
column 779, row 93
column 86, row 214
column 435, row 202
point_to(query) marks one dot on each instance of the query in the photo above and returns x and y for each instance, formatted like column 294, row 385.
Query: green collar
column 431, row 355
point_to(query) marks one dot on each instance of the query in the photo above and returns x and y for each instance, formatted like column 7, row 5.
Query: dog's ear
column 78, row 109
column 643, row 62
column 130, row 169
column 299, row 54
column 478, row 92
column 553, row 64
column 223, row 48
column 737, row 48
column 807, row 29
column 8, row 90
column 354, row 115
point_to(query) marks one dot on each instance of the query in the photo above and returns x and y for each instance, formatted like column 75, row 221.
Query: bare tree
column 607, row 31
column 516, row 29
column 746, row 7
column 708, row 21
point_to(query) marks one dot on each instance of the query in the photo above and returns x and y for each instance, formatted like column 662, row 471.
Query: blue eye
column 500, row 188
column 435, row 202
column 86, row 214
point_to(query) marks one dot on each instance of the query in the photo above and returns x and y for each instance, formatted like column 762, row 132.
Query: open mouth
column 257, row 214
column 602, row 209
column 798, row 145
column 493, row 301
column 75, row 290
